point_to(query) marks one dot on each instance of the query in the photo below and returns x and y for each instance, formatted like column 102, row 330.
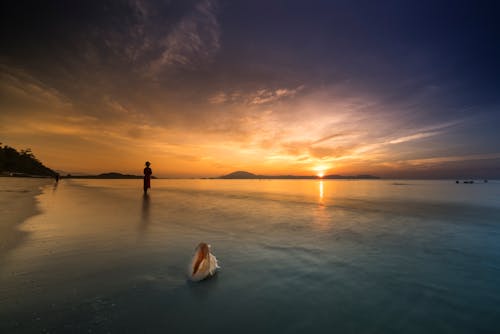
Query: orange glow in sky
column 291, row 134
column 206, row 94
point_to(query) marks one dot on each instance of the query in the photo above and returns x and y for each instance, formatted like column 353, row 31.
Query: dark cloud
column 92, row 48
column 439, row 55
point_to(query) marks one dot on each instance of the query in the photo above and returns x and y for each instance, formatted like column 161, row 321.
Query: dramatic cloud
column 193, row 41
column 260, row 97
column 413, row 137
column 202, row 88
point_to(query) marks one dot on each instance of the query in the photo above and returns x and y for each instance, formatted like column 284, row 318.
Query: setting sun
column 320, row 170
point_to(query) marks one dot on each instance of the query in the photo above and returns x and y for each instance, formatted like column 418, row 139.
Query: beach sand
column 17, row 203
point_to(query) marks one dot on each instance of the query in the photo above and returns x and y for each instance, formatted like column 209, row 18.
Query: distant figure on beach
column 203, row 264
column 57, row 177
column 147, row 177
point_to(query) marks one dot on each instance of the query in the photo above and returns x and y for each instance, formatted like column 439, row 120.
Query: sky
column 397, row 89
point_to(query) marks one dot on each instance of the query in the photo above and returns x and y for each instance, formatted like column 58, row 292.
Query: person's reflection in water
column 145, row 218
column 54, row 188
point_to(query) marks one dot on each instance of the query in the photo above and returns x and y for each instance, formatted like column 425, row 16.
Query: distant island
column 22, row 163
column 247, row 175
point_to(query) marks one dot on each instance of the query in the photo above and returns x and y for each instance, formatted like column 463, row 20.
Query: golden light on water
column 322, row 219
column 321, row 192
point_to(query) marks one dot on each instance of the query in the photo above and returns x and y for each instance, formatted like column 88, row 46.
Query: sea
column 295, row 256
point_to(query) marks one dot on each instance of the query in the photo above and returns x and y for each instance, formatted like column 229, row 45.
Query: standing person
column 147, row 177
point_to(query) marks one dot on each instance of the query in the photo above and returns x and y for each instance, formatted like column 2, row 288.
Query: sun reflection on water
column 321, row 192
column 322, row 219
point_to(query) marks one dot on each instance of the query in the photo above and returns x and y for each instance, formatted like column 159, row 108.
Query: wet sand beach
column 18, row 202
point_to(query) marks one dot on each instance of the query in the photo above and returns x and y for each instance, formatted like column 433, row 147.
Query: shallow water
column 296, row 256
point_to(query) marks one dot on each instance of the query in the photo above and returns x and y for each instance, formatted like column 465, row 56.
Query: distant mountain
column 240, row 175
column 22, row 163
column 247, row 175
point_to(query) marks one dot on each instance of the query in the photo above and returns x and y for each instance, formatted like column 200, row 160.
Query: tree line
column 23, row 161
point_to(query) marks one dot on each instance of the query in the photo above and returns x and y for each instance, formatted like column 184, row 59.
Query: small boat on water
column 470, row 181
column 466, row 181
column 204, row 264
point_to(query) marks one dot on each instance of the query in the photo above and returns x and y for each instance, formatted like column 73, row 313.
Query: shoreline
column 17, row 203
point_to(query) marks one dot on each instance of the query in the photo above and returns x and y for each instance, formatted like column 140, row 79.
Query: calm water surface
column 296, row 256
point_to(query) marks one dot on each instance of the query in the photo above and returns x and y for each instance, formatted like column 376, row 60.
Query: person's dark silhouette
column 147, row 177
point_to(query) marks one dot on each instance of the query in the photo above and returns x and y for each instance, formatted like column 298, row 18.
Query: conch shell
column 203, row 264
